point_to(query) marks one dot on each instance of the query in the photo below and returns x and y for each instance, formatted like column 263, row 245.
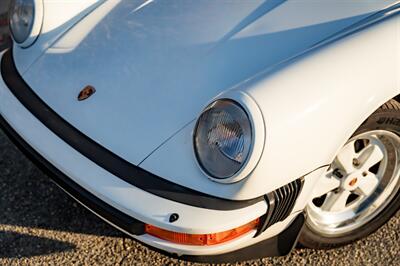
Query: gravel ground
column 39, row 224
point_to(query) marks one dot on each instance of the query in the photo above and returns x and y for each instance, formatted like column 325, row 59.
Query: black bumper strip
column 99, row 207
column 280, row 245
column 102, row 156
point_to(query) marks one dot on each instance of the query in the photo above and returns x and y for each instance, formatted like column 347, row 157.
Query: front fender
column 311, row 108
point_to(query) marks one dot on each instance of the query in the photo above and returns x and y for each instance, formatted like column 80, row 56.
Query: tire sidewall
column 383, row 119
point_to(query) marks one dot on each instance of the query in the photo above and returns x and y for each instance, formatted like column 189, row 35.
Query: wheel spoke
column 368, row 184
column 346, row 156
column 370, row 156
column 325, row 184
column 364, row 183
column 336, row 201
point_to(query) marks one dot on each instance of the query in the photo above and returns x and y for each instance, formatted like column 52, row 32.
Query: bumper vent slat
column 280, row 204
column 287, row 203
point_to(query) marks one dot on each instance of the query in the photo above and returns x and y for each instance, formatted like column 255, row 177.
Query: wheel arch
column 313, row 105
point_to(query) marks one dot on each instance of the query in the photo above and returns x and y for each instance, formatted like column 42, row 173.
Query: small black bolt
column 356, row 162
column 174, row 217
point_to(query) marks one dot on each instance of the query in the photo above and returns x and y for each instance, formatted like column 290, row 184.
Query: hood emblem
column 86, row 93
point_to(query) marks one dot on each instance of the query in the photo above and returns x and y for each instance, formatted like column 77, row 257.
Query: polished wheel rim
column 361, row 181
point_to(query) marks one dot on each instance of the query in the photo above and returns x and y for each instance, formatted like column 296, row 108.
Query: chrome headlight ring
column 229, row 137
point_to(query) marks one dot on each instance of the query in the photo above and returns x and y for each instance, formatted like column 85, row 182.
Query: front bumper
column 118, row 201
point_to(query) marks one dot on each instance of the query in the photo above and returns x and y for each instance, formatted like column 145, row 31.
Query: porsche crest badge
column 86, row 93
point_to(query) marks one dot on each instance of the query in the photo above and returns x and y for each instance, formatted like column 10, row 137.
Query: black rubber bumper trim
column 96, row 205
column 280, row 245
column 102, row 156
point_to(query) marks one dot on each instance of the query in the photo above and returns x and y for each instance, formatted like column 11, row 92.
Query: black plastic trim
column 102, row 209
column 280, row 245
column 103, row 157
column 280, row 204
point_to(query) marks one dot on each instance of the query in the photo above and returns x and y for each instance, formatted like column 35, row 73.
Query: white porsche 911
column 213, row 130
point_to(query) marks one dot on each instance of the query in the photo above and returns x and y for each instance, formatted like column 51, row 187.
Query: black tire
column 387, row 117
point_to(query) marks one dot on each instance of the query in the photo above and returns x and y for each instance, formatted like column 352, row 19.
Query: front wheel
column 361, row 189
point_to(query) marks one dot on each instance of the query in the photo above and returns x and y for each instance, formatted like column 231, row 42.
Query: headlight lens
column 223, row 138
column 22, row 15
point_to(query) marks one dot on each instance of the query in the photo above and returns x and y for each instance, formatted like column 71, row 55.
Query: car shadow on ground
column 18, row 245
column 28, row 199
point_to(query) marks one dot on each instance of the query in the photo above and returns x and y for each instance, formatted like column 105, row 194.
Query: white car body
column 156, row 65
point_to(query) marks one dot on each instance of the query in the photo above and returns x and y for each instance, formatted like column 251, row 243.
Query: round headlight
column 223, row 139
column 25, row 21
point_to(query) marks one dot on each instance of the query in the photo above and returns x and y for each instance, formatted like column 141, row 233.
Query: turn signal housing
column 201, row 239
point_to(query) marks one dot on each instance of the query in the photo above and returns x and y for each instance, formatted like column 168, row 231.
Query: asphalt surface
column 41, row 225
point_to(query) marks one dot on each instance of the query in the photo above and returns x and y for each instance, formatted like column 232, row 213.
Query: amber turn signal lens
column 201, row 239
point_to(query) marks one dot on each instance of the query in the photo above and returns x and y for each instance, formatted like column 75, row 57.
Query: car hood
column 156, row 64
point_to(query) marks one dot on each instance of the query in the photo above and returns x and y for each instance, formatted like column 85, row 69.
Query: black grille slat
column 293, row 196
column 280, row 204
column 284, row 194
column 288, row 201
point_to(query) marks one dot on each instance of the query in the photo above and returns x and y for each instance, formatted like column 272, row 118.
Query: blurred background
column 4, row 37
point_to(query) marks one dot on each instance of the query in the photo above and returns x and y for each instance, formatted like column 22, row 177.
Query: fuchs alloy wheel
column 361, row 190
